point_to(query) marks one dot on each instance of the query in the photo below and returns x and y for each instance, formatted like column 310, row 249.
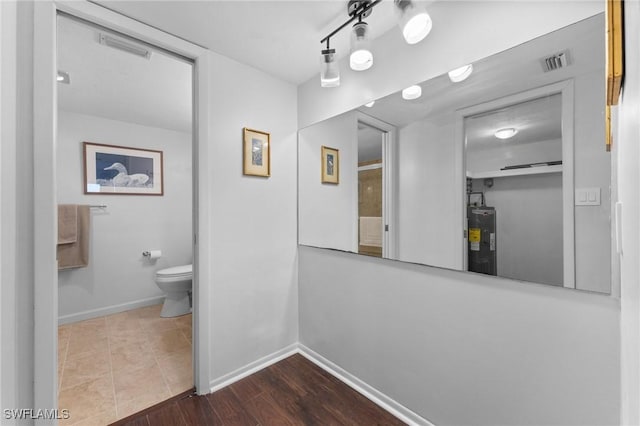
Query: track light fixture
column 361, row 57
column 329, row 69
column 414, row 22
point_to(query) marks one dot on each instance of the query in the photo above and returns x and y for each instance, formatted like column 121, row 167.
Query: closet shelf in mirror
column 515, row 172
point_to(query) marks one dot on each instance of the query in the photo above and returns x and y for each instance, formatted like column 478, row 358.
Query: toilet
column 176, row 283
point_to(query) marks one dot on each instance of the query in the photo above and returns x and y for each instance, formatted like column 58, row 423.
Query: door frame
column 389, row 192
column 45, row 201
column 566, row 90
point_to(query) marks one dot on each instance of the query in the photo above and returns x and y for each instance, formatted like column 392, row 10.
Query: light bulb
column 414, row 21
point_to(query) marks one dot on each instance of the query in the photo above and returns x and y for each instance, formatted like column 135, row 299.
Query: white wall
column 16, row 153
column 625, row 146
column 528, row 210
column 7, row 202
column 463, row 349
column 327, row 215
column 592, row 168
column 484, row 159
column 254, row 299
column 528, row 226
column 428, row 226
column 117, row 273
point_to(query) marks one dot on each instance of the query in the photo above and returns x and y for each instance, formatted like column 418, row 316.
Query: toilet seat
column 175, row 273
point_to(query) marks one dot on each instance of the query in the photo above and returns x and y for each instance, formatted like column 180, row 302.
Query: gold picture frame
column 615, row 49
column 256, row 153
column 330, row 165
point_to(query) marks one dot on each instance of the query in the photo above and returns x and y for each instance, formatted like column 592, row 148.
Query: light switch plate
column 588, row 196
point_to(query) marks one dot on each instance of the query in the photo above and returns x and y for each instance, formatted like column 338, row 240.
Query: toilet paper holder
column 152, row 254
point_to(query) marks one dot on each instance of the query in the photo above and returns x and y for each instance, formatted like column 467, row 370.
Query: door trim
column 389, row 182
column 566, row 90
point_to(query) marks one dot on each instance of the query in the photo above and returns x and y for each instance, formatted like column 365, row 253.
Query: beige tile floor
column 114, row 366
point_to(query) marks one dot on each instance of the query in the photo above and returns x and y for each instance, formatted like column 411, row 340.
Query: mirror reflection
column 514, row 168
column 497, row 168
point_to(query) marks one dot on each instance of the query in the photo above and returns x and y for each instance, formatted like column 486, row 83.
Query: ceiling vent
column 556, row 61
column 124, row 45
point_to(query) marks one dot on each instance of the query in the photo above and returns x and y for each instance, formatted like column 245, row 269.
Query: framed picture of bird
column 120, row 170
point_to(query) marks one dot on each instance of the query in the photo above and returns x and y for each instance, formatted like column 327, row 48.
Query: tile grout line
column 113, row 382
column 64, row 360
column 155, row 357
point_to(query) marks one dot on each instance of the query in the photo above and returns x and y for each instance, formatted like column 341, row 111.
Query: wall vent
column 556, row 61
column 124, row 45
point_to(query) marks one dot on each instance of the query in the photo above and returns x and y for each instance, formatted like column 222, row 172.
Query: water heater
column 482, row 239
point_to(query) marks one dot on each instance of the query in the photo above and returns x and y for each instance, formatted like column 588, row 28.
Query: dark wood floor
column 293, row 391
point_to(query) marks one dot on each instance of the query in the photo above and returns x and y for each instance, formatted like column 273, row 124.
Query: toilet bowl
column 176, row 283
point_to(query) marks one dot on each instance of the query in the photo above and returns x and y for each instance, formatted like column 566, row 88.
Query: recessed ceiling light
column 412, row 92
column 370, row 104
column 506, row 133
column 460, row 74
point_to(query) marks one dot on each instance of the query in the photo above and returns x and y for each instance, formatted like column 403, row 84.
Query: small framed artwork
column 330, row 165
column 111, row 169
column 256, row 150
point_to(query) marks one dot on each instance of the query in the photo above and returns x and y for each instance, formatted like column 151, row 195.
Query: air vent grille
column 556, row 61
column 124, row 45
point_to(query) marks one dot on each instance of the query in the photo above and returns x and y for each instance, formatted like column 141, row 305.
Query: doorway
column 376, row 218
column 124, row 189
column 516, row 171
column 370, row 190
column 45, row 188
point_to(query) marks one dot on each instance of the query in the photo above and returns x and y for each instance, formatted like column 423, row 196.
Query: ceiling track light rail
column 413, row 20
column 357, row 10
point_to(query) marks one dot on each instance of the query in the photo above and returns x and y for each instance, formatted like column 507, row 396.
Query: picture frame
column 256, row 153
column 330, row 165
column 614, row 50
column 120, row 170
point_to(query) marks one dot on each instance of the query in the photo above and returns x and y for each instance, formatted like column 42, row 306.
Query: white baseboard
column 377, row 397
column 100, row 312
column 253, row 367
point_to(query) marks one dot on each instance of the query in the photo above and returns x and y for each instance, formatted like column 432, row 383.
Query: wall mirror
column 502, row 173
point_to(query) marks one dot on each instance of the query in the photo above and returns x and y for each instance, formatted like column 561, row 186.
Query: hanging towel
column 76, row 254
column 371, row 231
column 67, row 223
